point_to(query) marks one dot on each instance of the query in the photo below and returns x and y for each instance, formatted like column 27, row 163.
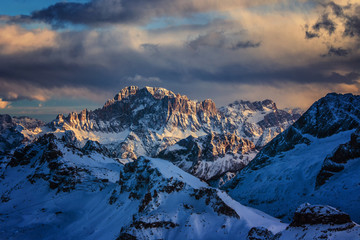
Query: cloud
column 4, row 104
column 345, row 16
column 325, row 23
column 309, row 35
column 352, row 26
column 212, row 39
column 342, row 28
column 140, row 79
column 13, row 91
column 246, row 44
column 14, row 39
column 337, row 52
column 98, row 12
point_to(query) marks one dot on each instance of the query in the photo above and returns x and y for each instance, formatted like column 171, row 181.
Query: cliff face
column 210, row 156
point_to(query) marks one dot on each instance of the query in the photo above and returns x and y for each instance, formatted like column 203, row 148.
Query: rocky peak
column 206, row 156
column 336, row 162
column 127, row 92
column 254, row 106
column 160, row 93
column 208, row 105
column 6, row 121
column 27, row 122
column 318, row 214
column 331, row 114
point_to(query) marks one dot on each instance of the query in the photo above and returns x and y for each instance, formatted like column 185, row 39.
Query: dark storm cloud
column 352, row 26
column 351, row 22
column 340, row 52
column 343, row 16
column 325, row 23
column 309, row 35
column 246, row 44
column 94, row 12
column 98, row 12
column 337, row 9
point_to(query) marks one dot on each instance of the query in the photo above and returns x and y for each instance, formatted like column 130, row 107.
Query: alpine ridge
column 150, row 120
column 315, row 160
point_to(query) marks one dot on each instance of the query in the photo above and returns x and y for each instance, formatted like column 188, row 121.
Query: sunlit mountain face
column 183, row 119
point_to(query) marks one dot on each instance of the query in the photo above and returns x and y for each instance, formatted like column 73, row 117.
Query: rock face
column 314, row 160
column 210, row 156
column 259, row 233
column 318, row 214
column 337, row 161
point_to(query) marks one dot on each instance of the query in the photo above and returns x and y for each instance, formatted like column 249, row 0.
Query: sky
column 60, row 56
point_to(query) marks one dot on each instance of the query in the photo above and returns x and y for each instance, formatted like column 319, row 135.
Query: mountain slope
column 210, row 156
column 285, row 173
column 52, row 190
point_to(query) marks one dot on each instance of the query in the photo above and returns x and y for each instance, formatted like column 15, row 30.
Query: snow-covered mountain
column 144, row 122
column 316, row 160
column 258, row 121
column 83, row 176
column 52, row 190
column 15, row 131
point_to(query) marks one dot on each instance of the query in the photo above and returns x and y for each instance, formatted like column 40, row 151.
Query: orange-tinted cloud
column 4, row 104
column 14, row 39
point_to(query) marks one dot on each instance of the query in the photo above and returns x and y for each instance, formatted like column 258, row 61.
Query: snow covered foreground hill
column 52, row 190
column 316, row 160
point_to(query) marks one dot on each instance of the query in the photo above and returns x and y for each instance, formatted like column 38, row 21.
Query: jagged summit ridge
column 132, row 104
column 145, row 121
column 257, row 105
column 156, row 92
column 331, row 114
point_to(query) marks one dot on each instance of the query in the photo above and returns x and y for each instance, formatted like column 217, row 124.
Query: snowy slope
column 52, row 190
column 285, row 173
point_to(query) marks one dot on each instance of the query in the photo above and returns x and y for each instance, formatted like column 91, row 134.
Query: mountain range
column 152, row 164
